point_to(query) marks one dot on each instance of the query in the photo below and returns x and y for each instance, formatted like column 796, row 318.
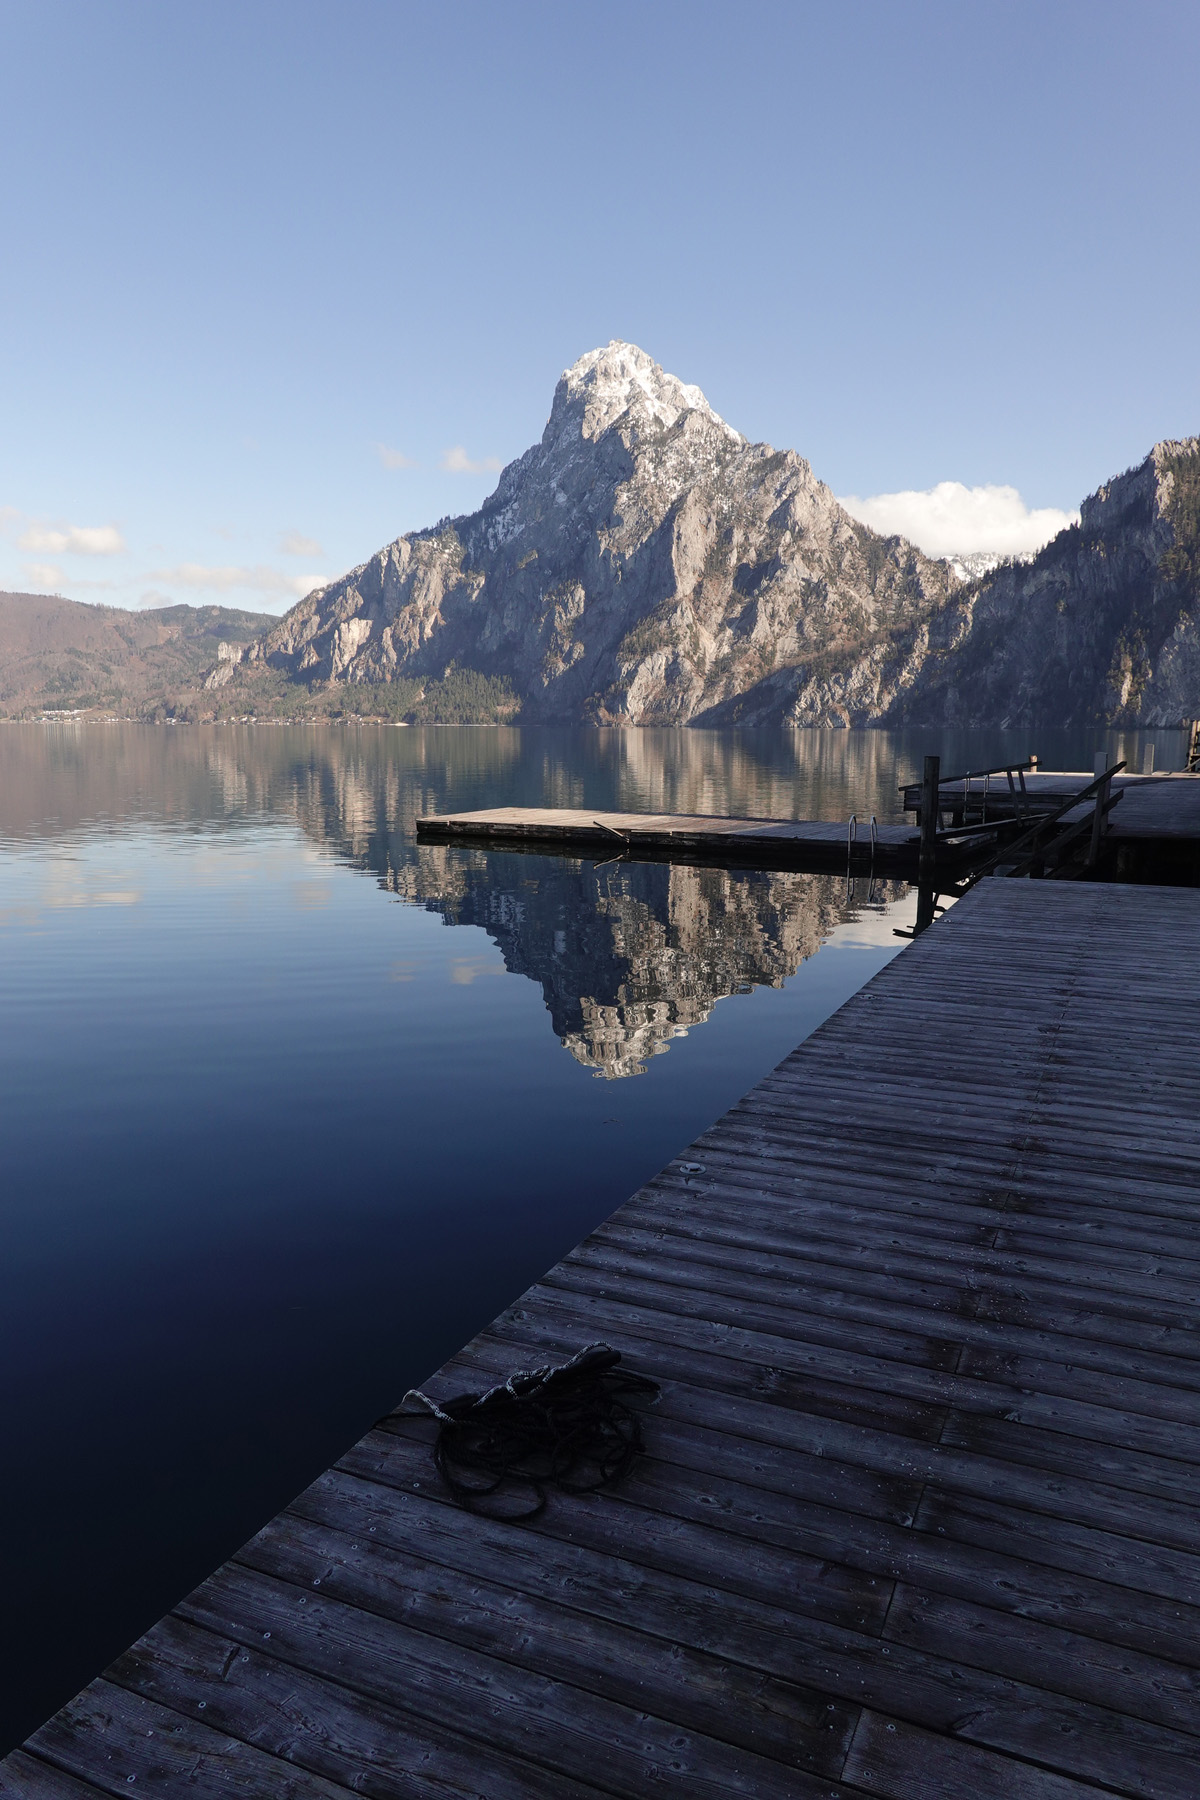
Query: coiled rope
column 569, row 1425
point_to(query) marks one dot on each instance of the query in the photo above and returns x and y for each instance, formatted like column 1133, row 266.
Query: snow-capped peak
column 620, row 379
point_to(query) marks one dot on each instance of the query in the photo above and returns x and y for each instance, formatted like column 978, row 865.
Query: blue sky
column 248, row 245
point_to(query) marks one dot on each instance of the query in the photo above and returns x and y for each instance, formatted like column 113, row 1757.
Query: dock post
column 927, row 857
column 1098, row 819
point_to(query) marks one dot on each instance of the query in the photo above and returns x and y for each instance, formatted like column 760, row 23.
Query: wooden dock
column 918, row 1518
column 811, row 844
column 1152, row 831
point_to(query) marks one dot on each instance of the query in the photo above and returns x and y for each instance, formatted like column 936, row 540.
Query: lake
column 290, row 1107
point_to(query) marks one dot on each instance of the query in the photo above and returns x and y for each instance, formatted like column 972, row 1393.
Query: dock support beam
column 927, row 857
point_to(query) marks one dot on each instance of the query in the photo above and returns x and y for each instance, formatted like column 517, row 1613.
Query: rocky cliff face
column 1102, row 625
column 643, row 564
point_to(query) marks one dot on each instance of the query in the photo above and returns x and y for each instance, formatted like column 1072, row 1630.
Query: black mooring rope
column 570, row 1425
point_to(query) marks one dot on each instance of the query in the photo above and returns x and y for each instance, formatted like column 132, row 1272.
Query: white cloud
column 223, row 577
column 302, row 585
column 294, row 543
column 262, row 586
column 73, row 540
column 457, row 462
column 44, row 575
column 951, row 519
column 394, row 459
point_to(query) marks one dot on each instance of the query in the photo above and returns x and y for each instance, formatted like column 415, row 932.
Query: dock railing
column 1039, row 852
column 955, row 793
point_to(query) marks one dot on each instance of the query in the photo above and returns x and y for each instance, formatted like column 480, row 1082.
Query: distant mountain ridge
column 69, row 656
column 644, row 564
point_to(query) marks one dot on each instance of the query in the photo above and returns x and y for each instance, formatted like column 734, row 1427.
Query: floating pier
column 917, row 1519
column 762, row 843
column 1149, row 830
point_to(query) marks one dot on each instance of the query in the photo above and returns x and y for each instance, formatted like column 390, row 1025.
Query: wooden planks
column 918, row 1513
column 1158, row 806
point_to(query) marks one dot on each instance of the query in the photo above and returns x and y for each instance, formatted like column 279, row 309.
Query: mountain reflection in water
column 629, row 956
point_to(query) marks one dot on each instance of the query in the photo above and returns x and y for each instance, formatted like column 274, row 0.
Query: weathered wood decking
column 919, row 1518
column 1157, row 806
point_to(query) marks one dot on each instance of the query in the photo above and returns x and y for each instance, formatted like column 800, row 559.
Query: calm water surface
column 275, row 1141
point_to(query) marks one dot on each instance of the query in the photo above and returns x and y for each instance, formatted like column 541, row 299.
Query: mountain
column 644, row 564
column 1101, row 625
column 67, row 656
